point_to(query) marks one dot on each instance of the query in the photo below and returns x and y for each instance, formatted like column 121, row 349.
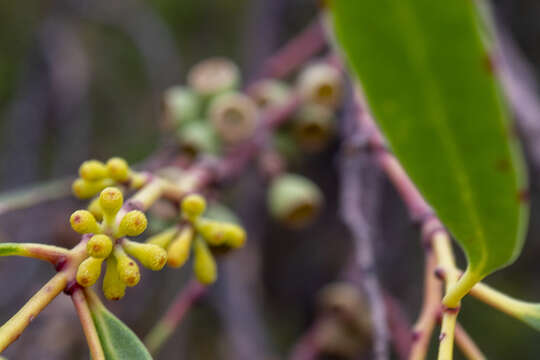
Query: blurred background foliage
column 82, row 79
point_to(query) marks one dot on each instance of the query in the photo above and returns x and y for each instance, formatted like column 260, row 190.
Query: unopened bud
column 178, row 251
column 193, row 206
column 113, row 286
column 99, row 246
column 89, row 271
column 95, row 209
column 92, row 170
column 127, row 269
column 111, row 200
column 132, row 224
column 164, row 238
column 83, row 222
column 204, row 264
column 150, row 256
column 118, row 169
column 84, row 189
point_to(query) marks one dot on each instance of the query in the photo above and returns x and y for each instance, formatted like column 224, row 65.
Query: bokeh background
column 81, row 79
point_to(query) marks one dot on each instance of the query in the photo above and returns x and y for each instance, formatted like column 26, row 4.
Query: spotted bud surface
column 164, row 238
column 322, row 84
column 234, row 116
column 99, row 246
column 193, row 206
column 83, row 222
column 118, row 169
column 178, row 251
column 89, row 271
column 84, row 189
column 111, row 200
column 204, row 264
column 113, row 286
column 213, row 76
column 294, row 200
column 133, row 223
column 92, row 170
column 150, row 256
column 128, row 270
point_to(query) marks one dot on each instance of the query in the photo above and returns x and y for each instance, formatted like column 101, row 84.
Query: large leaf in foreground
column 428, row 78
column 117, row 340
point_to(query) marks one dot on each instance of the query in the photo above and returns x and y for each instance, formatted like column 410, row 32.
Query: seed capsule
column 83, row 222
column 150, row 256
column 128, row 270
column 294, row 200
column 132, row 224
column 89, row 271
column 84, row 189
column 269, row 93
column 164, row 238
column 180, row 105
column 193, row 206
column 204, row 265
column 92, row 170
column 313, row 127
column 118, row 169
column 234, row 116
column 178, row 251
column 213, row 76
column 321, row 84
column 113, row 287
column 99, row 246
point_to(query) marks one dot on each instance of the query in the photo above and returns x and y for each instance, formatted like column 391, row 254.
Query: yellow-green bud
column 111, row 200
column 137, row 180
column 89, row 271
column 204, row 265
column 118, row 169
column 132, row 224
column 213, row 76
column 321, row 84
column 294, row 200
column 95, row 209
column 313, row 127
column 235, row 235
column 269, row 93
column 99, row 246
column 113, row 287
column 234, row 116
column 193, row 206
column 84, row 189
column 179, row 250
column 92, row 170
column 83, row 222
column 150, row 256
column 164, row 238
column 211, row 230
column 127, row 269
column 198, row 137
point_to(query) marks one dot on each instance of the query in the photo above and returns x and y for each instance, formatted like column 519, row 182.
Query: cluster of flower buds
column 107, row 242
column 95, row 176
column 198, row 234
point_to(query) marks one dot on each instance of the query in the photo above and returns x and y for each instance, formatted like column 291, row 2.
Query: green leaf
column 117, row 340
column 428, row 77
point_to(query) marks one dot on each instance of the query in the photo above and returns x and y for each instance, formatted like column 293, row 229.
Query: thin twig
column 467, row 345
column 89, row 328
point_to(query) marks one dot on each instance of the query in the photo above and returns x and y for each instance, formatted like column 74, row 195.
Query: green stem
column 89, row 328
column 461, row 288
column 49, row 253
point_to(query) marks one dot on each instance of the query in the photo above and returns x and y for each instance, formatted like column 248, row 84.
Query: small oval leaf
column 429, row 79
column 117, row 340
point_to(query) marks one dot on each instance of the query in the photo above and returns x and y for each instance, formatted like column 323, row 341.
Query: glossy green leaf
column 428, row 77
column 117, row 340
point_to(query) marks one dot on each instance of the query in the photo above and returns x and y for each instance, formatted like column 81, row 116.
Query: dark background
column 81, row 79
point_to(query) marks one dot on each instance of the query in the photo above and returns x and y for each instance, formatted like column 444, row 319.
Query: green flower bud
column 113, row 286
column 213, row 76
column 294, row 200
column 150, row 256
column 118, row 169
column 198, row 137
column 164, row 238
column 83, row 222
column 95, row 209
column 204, row 265
column 89, row 271
column 99, row 246
column 321, row 84
column 234, row 116
column 110, row 201
column 84, row 189
column 213, row 231
column 235, row 235
column 178, row 251
column 132, row 224
column 92, row 170
column 128, row 270
column 180, row 105
column 193, row 206
column 313, row 127
column 270, row 93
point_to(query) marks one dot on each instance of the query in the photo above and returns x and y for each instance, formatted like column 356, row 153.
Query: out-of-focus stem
column 174, row 315
column 89, row 328
column 467, row 345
